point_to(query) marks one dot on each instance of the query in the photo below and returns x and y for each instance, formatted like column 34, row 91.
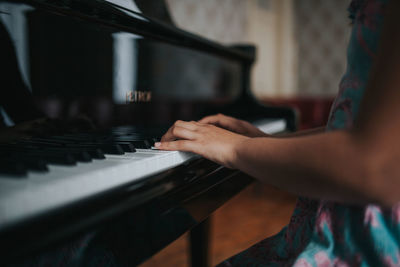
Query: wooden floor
column 256, row 213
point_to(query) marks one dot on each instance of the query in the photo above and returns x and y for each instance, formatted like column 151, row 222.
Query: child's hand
column 234, row 125
column 207, row 140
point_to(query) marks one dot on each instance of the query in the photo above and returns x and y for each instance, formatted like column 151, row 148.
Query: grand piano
column 87, row 87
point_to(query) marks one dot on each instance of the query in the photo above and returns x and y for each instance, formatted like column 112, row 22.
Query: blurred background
column 301, row 45
column 301, row 56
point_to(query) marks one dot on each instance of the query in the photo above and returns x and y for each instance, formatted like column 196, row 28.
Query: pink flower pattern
column 372, row 213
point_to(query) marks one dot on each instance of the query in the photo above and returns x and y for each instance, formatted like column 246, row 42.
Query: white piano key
column 270, row 126
column 62, row 185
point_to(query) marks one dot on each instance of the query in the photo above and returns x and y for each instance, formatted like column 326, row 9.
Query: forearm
column 328, row 166
column 301, row 133
column 345, row 166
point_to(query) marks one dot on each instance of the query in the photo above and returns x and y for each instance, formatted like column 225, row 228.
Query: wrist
column 260, row 133
column 236, row 150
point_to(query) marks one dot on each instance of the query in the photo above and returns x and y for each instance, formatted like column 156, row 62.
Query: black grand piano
column 86, row 88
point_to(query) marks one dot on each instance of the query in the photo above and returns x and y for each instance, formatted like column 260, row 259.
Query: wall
column 322, row 32
column 286, row 32
column 220, row 20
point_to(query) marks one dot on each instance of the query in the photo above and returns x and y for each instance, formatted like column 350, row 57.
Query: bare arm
column 325, row 166
column 247, row 129
column 357, row 166
column 302, row 133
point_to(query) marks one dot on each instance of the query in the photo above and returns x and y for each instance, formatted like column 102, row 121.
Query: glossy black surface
column 71, row 70
column 64, row 59
column 147, row 216
column 89, row 63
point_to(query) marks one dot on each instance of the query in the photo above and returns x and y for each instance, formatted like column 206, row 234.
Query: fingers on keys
column 181, row 130
column 181, row 145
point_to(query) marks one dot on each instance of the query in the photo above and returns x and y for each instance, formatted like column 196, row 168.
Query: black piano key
column 35, row 164
column 154, row 140
column 112, row 149
column 82, row 156
column 66, row 159
column 142, row 144
column 13, row 169
column 37, row 159
column 107, row 149
column 87, row 153
column 95, row 153
column 78, row 154
column 51, row 157
column 127, row 146
column 92, row 151
column 147, row 144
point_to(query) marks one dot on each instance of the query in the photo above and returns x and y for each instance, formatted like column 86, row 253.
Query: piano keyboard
column 44, row 174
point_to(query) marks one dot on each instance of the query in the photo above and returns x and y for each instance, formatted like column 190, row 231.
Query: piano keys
column 44, row 174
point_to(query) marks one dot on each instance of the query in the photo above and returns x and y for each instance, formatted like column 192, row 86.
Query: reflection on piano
column 87, row 87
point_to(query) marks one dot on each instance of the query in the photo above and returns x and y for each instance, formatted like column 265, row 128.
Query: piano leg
column 199, row 244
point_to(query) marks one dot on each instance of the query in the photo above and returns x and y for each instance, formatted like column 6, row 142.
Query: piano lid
column 128, row 7
column 91, row 57
column 155, row 9
column 128, row 4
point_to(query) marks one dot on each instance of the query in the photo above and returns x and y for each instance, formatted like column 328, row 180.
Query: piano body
column 87, row 86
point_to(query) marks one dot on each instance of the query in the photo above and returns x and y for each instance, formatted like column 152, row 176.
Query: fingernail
column 157, row 144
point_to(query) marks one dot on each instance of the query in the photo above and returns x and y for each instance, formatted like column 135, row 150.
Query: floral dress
column 325, row 233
